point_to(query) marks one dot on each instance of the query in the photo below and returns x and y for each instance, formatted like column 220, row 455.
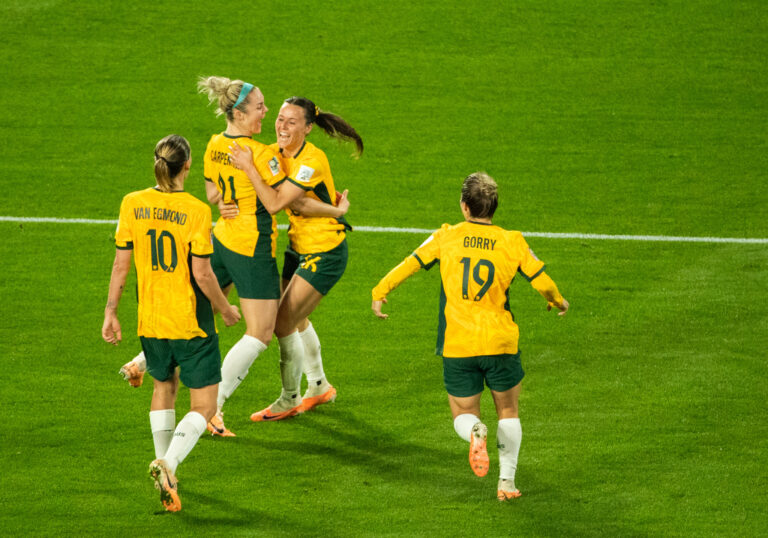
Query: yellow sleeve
column 547, row 288
column 208, row 169
column 395, row 277
column 200, row 244
column 123, row 236
column 269, row 166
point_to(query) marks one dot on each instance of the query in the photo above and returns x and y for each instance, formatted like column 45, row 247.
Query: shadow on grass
column 236, row 515
column 375, row 449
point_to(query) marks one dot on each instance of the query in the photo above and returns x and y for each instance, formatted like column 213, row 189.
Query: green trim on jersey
column 426, row 266
column 264, row 227
column 440, row 321
column 530, row 278
column 321, row 191
column 203, row 308
column 299, row 185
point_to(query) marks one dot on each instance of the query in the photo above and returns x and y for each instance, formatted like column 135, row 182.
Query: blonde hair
column 170, row 155
column 480, row 193
column 225, row 93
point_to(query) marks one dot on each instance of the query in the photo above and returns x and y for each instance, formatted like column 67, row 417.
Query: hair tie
column 244, row 91
column 317, row 111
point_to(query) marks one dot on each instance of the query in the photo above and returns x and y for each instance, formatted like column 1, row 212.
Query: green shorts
column 199, row 359
column 464, row 376
column 290, row 262
column 255, row 277
column 321, row 269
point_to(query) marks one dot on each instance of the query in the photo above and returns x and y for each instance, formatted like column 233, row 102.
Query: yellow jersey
column 477, row 264
column 309, row 169
column 164, row 230
column 254, row 231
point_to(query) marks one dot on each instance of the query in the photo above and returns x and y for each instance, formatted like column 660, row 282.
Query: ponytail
column 333, row 125
column 229, row 95
column 170, row 155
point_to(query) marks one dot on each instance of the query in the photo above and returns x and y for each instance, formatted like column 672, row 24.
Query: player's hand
column 228, row 211
column 376, row 307
column 111, row 331
column 563, row 307
column 231, row 315
column 342, row 201
column 241, row 157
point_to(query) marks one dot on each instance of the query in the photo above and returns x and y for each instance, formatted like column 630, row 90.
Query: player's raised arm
column 393, row 279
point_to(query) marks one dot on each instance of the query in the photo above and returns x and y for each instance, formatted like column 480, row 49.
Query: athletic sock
column 313, row 360
column 236, row 365
column 463, row 425
column 185, row 437
column 291, row 359
column 162, row 422
column 508, row 436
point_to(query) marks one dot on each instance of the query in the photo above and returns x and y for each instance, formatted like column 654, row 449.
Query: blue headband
column 244, row 91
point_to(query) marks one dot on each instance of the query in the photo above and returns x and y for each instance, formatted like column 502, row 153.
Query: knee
column 283, row 325
column 262, row 333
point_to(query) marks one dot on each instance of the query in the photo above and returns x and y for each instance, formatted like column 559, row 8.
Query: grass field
column 643, row 411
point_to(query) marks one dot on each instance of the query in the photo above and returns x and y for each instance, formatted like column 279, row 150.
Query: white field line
column 388, row 229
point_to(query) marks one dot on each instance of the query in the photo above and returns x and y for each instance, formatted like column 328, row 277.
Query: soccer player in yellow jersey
column 319, row 244
column 168, row 232
column 245, row 242
column 477, row 335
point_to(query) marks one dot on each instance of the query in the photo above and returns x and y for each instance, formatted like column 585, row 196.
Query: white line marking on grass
column 388, row 229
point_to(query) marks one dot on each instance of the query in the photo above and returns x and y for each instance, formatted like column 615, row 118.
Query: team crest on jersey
column 305, row 174
column 274, row 166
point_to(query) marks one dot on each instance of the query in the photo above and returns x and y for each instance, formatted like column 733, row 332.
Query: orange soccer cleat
column 167, row 483
column 133, row 373
column 216, row 426
column 506, row 490
column 317, row 396
column 282, row 408
column 478, row 452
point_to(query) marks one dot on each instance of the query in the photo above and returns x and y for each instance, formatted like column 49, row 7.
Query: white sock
column 463, row 425
column 508, row 438
column 141, row 361
column 291, row 359
column 236, row 365
column 313, row 361
column 185, row 438
column 162, row 422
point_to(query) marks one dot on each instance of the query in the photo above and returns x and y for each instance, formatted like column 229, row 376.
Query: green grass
column 643, row 410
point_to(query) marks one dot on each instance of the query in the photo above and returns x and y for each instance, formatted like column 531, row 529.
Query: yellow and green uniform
column 164, row 230
column 254, row 231
column 477, row 264
column 309, row 170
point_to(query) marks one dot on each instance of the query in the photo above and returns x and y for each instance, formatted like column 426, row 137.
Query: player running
column 477, row 335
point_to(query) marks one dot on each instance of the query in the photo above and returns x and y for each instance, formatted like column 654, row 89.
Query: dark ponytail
column 170, row 155
column 333, row 125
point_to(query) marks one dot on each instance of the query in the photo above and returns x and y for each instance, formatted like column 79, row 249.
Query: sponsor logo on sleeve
column 305, row 174
column 274, row 166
